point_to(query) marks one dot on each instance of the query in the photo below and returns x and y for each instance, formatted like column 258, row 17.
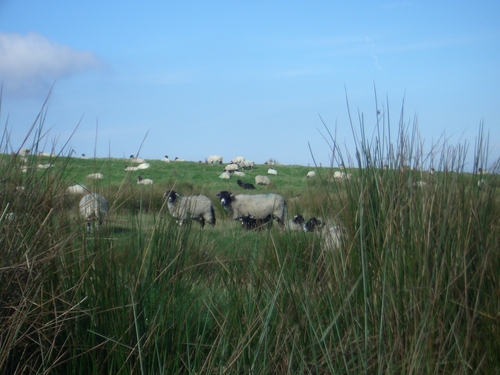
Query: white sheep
column 76, row 189
column 231, row 168
column 239, row 174
column 131, row 169
column 246, row 164
column 296, row 223
column 271, row 170
column 144, row 181
column 24, row 151
column 338, row 175
column 195, row 207
column 166, row 159
column 45, row 166
column 137, row 160
column 257, row 207
column 225, row 175
column 311, row 174
column 262, row 180
column 95, row 176
column 214, row 159
column 93, row 207
column 237, row 159
column 331, row 237
column 143, row 166
column 178, row 159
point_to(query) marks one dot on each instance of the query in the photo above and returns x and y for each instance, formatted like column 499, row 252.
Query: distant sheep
column 313, row 225
column 130, row 169
column 251, row 223
column 138, row 160
column 178, row 159
column 338, row 175
column 296, row 223
column 166, row 159
column 311, row 174
column 93, row 207
column 237, row 159
column 195, row 207
column 95, row 176
column 76, row 189
column 45, row 166
column 144, row 181
column 254, row 206
column 214, row 159
column 239, row 174
column 231, row 168
column 262, row 180
column 331, row 237
column 24, row 151
column 225, row 175
column 245, row 185
column 246, row 164
column 271, row 170
column 143, row 166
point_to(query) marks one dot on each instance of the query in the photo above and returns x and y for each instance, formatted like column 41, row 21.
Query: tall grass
column 413, row 287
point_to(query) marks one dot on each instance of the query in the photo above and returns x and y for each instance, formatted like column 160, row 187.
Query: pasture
column 413, row 287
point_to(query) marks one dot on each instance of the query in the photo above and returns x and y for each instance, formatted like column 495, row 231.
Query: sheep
column 166, row 159
column 420, row 183
column 262, row 180
column 195, row 207
column 237, row 159
column 95, row 176
column 338, row 175
column 245, row 185
column 214, row 159
column 24, row 151
column 225, row 175
column 231, row 168
column 331, row 237
column 144, row 181
column 312, row 225
column 239, row 174
column 178, row 159
column 93, row 207
column 45, row 166
column 271, row 170
column 137, row 160
column 246, row 164
column 311, row 174
column 251, row 223
column 296, row 223
column 76, row 189
column 84, row 156
column 255, row 206
column 143, row 166
column 130, row 169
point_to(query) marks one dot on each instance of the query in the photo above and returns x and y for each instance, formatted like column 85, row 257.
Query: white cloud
column 30, row 63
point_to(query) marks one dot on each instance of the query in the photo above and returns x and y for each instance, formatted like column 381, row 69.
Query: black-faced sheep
column 245, row 185
column 254, row 206
column 296, row 222
column 251, row 223
column 271, row 170
column 138, row 160
column 237, row 159
column 166, row 159
column 93, row 207
column 246, row 164
column 262, row 180
column 313, row 225
column 144, row 181
column 195, row 207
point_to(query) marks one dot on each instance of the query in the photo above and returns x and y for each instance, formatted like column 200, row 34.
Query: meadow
column 413, row 288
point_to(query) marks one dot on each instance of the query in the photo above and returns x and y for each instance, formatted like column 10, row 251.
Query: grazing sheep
column 296, row 223
column 313, row 225
column 338, row 175
column 214, row 159
column 262, row 180
column 311, row 174
column 143, row 166
column 166, row 159
column 195, row 207
column 96, row 176
column 246, row 164
column 245, row 185
column 271, row 170
column 93, row 207
column 225, row 175
column 254, row 206
column 137, row 160
column 239, row 174
column 251, row 223
column 144, row 181
column 231, row 168
column 76, row 189
column 237, row 159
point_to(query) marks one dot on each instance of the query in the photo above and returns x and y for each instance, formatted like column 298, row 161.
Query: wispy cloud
column 30, row 63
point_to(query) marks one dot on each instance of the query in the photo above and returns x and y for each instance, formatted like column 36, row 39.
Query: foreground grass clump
column 413, row 287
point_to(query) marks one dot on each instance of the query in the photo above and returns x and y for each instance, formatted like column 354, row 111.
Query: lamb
column 214, row 159
column 144, row 181
column 262, row 180
column 245, row 185
column 96, row 176
column 137, row 160
column 271, row 170
column 251, row 223
column 254, row 206
column 93, row 207
column 76, row 189
column 237, row 159
column 311, row 174
column 166, row 159
column 231, row 168
column 225, row 175
column 196, row 207
column 296, row 223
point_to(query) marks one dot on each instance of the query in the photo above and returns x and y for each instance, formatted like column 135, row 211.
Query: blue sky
column 250, row 78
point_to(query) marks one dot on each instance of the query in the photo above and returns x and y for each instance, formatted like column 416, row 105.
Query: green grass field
column 413, row 288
